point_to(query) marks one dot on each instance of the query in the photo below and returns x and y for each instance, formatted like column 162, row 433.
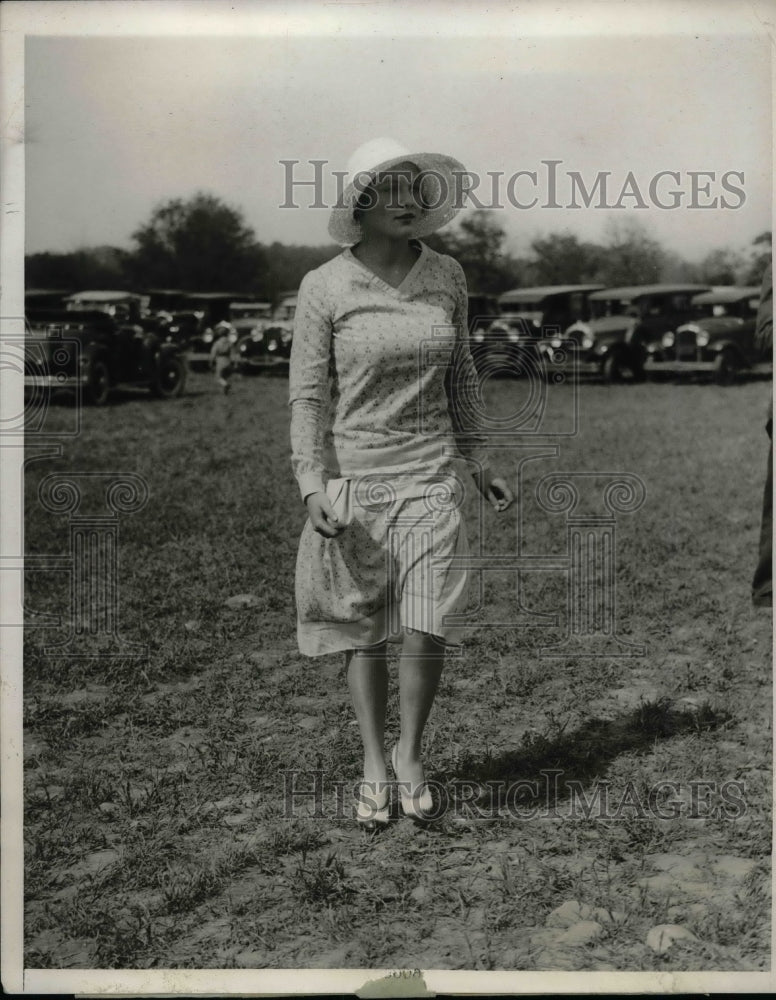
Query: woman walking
column 385, row 441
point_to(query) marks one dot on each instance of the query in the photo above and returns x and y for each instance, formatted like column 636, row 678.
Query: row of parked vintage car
column 620, row 334
column 97, row 340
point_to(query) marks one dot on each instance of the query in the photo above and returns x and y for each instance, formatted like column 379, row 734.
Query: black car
column 180, row 328
column 92, row 353
column 626, row 325
column 525, row 317
column 718, row 339
column 267, row 343
column 123, row 307
column 482, row 310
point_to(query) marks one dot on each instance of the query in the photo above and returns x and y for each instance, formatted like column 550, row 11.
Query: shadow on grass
column 583, row 755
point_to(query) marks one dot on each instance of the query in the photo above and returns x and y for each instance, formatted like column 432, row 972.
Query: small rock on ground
column 581, row 933
column 568, row 913
column 732, row 866
column 661, row 937
column 544, row 937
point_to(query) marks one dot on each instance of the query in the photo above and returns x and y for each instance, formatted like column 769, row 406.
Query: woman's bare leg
column 420, row 667
column 368, row 683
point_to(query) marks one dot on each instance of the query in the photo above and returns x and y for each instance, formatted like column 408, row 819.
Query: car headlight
column 587, row 342
column 556, row 342
column 668, row 339
column 702, row 338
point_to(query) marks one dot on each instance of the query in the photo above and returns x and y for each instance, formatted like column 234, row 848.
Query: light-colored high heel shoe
column 416, row 804
column 372, row 812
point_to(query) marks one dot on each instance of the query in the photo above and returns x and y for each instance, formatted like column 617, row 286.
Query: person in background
column 762, row 583
column 222, row 354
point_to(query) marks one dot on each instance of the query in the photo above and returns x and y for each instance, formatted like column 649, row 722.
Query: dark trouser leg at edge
column 762, row 584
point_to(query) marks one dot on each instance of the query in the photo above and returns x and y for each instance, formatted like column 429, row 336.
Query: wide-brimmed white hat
column 444, row 185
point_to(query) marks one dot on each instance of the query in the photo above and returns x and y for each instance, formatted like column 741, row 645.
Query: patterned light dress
column 385, row 406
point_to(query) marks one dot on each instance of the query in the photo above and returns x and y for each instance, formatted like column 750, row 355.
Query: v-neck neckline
column 381, row 281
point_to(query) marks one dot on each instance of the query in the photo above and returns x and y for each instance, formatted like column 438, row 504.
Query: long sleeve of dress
column 463, row 386
column 309, row 389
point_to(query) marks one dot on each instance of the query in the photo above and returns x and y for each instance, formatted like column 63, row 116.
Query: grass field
column 156, row 832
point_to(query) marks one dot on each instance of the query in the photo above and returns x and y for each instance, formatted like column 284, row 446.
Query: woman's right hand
column 322, row 516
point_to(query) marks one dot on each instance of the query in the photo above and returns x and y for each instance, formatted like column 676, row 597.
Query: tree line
column 202, row 244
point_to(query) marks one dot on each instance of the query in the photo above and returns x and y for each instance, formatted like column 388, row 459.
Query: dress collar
column 408, row 277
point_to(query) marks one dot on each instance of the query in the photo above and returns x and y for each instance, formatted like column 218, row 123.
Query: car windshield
column 740, row 309
column 612, row 307
column 704, row 309
column 529, row 311
column 249, row 312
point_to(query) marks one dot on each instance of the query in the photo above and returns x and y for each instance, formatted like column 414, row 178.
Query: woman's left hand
column 495, row 490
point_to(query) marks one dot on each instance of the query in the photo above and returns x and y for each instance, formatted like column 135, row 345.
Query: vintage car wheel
column 169, row 378
column 618, row 367
column 726, row 367
column 613, row 369
column 97, row 387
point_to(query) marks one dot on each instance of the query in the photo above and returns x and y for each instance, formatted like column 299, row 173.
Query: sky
column 117, row 122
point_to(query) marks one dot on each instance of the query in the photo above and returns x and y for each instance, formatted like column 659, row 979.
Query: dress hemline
column 324, row 638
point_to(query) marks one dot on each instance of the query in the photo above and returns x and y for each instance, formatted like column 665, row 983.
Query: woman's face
column 392, row 204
